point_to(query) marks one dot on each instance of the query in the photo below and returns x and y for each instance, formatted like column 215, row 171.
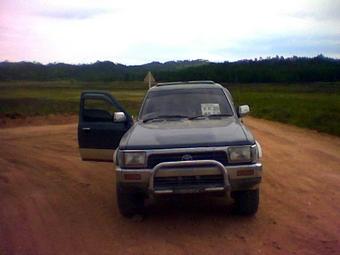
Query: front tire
column 129, row 203
column 246, row 202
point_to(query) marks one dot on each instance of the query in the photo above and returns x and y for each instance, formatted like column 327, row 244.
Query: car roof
column 185, row 85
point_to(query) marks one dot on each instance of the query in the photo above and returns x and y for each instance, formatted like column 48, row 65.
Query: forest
column 269, row 70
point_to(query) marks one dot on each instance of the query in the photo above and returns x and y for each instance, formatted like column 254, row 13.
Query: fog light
column 245, row 172
column 131, row 177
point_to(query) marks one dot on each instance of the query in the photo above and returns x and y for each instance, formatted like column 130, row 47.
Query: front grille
column 185, row 182
column 219, row 156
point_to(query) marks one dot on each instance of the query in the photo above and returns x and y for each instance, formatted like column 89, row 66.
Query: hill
column 278, row 69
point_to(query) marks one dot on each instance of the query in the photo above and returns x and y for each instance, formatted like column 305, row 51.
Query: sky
column 136, row 32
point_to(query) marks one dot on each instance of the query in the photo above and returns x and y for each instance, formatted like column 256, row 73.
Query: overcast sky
column 136, row 32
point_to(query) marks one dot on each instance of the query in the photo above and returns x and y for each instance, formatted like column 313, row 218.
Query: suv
column 188, row 138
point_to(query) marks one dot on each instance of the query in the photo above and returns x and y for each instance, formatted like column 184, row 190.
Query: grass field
column 41, row 98
column 315, row 106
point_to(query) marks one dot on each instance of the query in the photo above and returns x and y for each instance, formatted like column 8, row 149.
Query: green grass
column 315, row 106
column 38, row 98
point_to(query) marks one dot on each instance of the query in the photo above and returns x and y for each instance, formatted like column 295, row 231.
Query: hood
column 186, row 133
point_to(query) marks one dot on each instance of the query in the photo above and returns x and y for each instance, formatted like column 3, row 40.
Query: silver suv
column 188, row 138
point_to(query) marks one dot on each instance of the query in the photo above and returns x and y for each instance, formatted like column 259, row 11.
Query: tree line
column 278, row 69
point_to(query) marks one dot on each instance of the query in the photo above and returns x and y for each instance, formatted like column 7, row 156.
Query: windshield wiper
column 198, row 116
column 220, row 115
column 211, row 115
column 164, row 117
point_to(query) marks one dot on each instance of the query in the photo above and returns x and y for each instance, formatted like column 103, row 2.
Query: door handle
column 86, row 129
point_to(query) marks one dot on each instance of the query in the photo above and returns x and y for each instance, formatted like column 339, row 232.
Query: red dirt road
column 53, row 203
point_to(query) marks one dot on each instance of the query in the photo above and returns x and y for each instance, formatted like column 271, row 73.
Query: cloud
column 326, row 10
column 288, row 45
column 73, row 13
column 132, row 31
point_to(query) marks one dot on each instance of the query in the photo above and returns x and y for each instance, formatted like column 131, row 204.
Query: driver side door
column 99, row 133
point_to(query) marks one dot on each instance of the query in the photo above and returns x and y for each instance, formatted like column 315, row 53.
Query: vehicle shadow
column 189, row 206
column 190, row 223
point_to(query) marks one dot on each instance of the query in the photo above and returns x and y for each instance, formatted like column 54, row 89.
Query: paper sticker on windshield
column 208, row 109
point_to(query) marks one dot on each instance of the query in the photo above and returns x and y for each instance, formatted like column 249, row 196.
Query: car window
column 186, row 102
column 98, row 110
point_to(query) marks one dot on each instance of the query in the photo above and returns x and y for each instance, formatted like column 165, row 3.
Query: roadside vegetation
column 315, row 106
column 26, row 98
column 311, row 105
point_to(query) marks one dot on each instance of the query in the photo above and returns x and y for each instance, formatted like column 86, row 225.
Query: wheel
column 246, row 202
column 129, row 203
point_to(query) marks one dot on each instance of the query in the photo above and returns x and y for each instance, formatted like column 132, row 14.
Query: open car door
column 102, row 123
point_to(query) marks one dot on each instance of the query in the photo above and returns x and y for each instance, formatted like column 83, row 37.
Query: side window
column 98, row 110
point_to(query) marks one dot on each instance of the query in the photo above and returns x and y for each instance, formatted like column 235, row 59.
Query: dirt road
column 53, row 203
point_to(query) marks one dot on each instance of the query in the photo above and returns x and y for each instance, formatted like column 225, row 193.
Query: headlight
column 240, row 154
column 134, row 159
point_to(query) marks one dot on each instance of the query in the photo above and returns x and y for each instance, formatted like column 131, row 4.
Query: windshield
column 186, row 103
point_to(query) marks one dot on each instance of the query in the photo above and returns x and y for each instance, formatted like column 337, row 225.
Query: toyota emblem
column 186, row 157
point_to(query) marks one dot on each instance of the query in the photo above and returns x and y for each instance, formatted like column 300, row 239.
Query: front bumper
column 249, row 178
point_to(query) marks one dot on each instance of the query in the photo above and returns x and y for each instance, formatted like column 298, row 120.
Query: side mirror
column 119, row 117
column 243, row 110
